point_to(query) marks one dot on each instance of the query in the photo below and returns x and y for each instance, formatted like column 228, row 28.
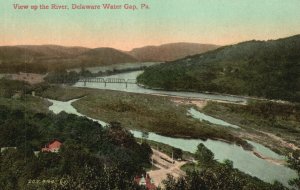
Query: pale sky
column 200, row 21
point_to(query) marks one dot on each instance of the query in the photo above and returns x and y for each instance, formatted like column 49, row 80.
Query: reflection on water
column 201, row 116
column 137, row 89
column 243, row 160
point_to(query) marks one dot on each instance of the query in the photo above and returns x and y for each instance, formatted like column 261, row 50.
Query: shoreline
column 183, row 136
column 215, row 93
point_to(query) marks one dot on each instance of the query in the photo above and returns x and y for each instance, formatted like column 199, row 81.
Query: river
column 120, row 66
column 243, row 160
column 201, row 116
column 137, row 89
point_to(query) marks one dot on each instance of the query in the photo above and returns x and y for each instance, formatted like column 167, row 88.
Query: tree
column 170, row 182
column 204, row 155
column 177, row 153
column 91, row 157
column 294, row 162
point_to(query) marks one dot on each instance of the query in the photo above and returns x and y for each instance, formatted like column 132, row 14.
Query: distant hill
column 32, row 53
column 53, row 57
column 41, row 58
column 268, row 69
column 101, row 56
column 55, row 50
column 170, row 52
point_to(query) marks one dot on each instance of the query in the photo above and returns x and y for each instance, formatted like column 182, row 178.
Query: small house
column 52, row 146
column 146, row 182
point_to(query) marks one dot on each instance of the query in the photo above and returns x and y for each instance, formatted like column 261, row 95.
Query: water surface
column 59, row 106
column 201, row 116
column 137, row 89
column 266, row 151
column 243, row 160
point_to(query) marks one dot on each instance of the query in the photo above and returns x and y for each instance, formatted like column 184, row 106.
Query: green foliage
column 92, row 157
column 17, row 67
column 168, row 150
column 216, row 176
column 177, row 153
column 204, row 155
column 294, row 162
column 62, row 77
column 265, row 69
column 9, row 88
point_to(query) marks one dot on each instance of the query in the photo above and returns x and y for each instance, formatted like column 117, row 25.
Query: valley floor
column 156, row 112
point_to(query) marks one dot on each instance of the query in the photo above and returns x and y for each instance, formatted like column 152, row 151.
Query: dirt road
column 166, row 166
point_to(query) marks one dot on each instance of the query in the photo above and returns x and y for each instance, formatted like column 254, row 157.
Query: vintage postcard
column 150, row 94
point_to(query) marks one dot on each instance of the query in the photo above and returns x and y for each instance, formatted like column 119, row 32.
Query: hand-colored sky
column 200, row 21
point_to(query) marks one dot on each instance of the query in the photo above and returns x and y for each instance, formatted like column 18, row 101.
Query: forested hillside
column 268, row 69
column 170, row 52
column 91, row 157
column 43, row 58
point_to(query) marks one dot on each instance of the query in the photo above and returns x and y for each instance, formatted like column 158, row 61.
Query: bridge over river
column 107, row 80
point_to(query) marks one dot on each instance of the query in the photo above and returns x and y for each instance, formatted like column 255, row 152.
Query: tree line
column 92, row 157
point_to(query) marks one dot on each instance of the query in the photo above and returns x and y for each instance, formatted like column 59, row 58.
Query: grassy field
column 163, row 116
column 260, row 118
column 142, row 112
column 65, row 93
column 148, row 113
